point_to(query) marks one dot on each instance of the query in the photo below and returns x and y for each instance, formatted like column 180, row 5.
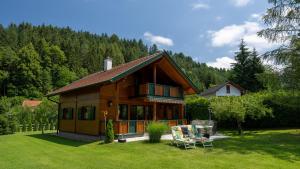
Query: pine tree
column 247, row 66
column 240, row 70
column 256, row 67
column 109, row 133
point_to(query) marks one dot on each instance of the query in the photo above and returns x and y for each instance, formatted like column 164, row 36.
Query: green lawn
column 256, row 149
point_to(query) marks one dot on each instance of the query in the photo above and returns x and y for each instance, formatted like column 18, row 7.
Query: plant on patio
column 156, row 130
column 109, row 132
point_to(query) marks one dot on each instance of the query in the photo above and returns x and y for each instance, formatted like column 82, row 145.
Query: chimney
column 107, row 64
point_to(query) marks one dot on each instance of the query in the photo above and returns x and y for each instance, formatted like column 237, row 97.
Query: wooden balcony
column 158, row 90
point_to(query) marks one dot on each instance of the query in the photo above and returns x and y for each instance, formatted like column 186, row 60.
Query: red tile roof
column 104, row 76
column 31, row 103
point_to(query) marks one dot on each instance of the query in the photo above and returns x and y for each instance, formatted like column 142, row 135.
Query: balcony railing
column 151, row 89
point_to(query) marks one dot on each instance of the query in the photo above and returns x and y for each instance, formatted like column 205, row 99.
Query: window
column 87, row 113
column 67, row 113
column 137, row 113
column 123, row 112
column 227, row 88
column 175, row 111
column 149, row 112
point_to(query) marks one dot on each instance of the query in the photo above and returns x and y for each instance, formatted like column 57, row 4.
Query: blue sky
column 207, row 30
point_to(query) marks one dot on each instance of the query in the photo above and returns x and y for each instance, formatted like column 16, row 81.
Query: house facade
column 151, row 88
column 225, row 89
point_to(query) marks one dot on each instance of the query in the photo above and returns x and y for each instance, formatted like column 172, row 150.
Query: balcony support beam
column 154, row 73
column 154, row 111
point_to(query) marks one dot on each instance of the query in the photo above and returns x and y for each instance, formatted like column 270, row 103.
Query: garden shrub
column 41, row 126
column 109, row 133
column 24, row 126
column 47, row 126
column 36, row 126
column 155, row 131
column 197, row 108
column 29, row 126
column 51, row 125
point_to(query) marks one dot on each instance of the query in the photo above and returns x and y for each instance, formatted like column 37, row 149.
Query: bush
column 36, row 126
column 24, row 126
column 109, row 133
column 41, row 126
column 197, row 108
column 51, row 125
column 155, row 131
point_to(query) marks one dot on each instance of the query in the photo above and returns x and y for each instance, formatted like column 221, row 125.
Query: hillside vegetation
column 37, row 59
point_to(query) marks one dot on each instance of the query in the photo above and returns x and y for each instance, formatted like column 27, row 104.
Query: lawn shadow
column 284, row 146
column 60, row 140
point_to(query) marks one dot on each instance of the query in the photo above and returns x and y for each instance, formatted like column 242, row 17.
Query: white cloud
column 218, row 18
column 200, row 5
column 232, row 34
column 159, row 40
column 255, row 15
column 240, row 3
column 223, row 62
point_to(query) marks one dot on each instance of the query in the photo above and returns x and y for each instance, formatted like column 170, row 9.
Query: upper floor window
column 87, row 113
column 67, row 113
column 227, row 88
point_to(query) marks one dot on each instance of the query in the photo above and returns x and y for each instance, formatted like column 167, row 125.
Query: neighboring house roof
column 31, row 103
column 117, row 73
column 214, row 89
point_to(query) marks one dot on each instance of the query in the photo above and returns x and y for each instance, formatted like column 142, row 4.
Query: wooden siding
column 115, row 93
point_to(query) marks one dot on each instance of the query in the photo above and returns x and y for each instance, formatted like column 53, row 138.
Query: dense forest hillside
column 37, row 59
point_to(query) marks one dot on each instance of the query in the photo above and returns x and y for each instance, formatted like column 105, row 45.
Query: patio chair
column 178, row 139
column 198, row 137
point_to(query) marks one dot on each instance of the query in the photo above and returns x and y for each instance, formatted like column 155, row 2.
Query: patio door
column 132, row 126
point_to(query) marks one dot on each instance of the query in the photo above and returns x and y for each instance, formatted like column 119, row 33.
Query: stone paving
column 169, row 137
column 88, row 138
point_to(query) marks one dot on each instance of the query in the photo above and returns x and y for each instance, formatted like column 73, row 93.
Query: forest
column 37, row 59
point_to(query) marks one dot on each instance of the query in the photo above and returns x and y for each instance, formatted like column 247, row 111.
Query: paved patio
column 88, row 138
column 169, row 137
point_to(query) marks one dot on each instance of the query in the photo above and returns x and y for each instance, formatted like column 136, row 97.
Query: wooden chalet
column 151, row 88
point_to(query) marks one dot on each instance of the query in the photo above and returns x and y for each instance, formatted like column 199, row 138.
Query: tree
column 256, row 67
column 8, row 63
column 238, row 108
column 270, row 79
column 109, row 133
column 282, row 19
column 153, row 49
column 246, row 67
column 29, row 71
column 45, row 112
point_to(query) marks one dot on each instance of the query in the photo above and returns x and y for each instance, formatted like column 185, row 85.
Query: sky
column 207, row 30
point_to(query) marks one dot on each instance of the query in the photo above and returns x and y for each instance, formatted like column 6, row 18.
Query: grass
column 256, row 149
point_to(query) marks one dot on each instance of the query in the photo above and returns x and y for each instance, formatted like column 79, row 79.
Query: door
column 132, row 126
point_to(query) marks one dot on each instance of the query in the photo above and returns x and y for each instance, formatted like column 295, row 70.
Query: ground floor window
column 67, row 113
column 137, row 112
column 149, row 112
column 123, row 112
column 87, row 113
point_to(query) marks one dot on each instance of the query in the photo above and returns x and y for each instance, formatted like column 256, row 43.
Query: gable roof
column 214, row 89
column 117, row 73
column 31, row 103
